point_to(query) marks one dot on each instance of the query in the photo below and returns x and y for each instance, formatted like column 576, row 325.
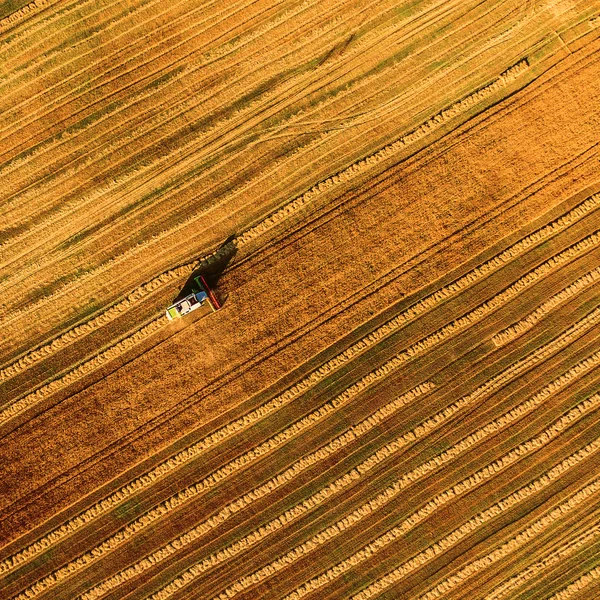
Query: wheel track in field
column 369, row 507
column 450, row 494
column 298, row 203
column 19, row 124
column 190, row 148
column 458, row 325
column 405, row 481
column 524, row 537
column 507, row 587
column 176, row 501
column 578, row 585
column 269, row 408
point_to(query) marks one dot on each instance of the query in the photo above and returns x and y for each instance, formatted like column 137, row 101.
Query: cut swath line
column 520, row 327
column 423, row 345
column 246, row 421
column 523, row 538
column 419, row 472
column 292, row 207
column 351, row 435
column 578, row 585
column 450, row 495
column 211, row 481
column 508, row 587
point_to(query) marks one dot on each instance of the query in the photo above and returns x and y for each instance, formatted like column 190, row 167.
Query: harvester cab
column 201, row 296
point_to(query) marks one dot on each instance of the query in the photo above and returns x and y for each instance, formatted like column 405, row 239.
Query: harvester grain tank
column 201, row 296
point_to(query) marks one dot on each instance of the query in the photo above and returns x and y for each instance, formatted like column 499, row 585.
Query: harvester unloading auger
column 204, row 295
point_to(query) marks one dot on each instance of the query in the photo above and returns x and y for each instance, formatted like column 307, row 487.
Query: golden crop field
column 397, row 204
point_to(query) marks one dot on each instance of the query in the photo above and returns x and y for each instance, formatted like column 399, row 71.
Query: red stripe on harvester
column 213, row 298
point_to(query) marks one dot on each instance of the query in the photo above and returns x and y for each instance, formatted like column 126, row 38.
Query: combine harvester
column 194, row 300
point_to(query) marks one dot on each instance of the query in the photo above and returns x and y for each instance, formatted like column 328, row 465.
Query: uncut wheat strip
column 209, row 482
column 445, row 115
column 467, row 320
column 79, row 331
column 114, row 182
column 458, row 534
column 520, row 540
column 520, row 327
column 284, row 212
column 36, row 56
column 510, row 586
column 425, row 344
column 291, row 207
column 423, row 470
column 25, row 40
column 481, row 519
column 577, row 586
column 392, row 105
column 346, row 54
column 352, row 434
column 244, row 460
column 64, row 137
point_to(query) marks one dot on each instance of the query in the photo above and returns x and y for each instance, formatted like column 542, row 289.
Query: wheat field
column 397, row 204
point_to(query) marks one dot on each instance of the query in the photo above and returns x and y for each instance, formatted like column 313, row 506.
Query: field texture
column 397, row 203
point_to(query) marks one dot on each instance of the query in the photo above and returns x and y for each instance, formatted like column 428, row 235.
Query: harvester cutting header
column 199, row 297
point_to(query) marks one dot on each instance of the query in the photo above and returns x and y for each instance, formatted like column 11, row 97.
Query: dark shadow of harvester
column 201, row 286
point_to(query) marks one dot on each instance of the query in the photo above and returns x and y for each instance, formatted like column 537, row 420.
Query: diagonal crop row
column 476, row 522
column 23, row 13
column 308, row 421
column 411, row 313
column 79, row 331
column 486, row 389
column 505, row 589
column 216, row 477
column 578, row 585
column 445, row 332
column 21, row 405
column 523, row 538
column 350, row 435
column 517, row 329
column 185, row 456
column 297, row 204
column 411, row 477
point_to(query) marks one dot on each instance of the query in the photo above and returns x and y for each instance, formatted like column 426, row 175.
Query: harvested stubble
column 179, row 499
column 505, row 589
column 496, row 509
column 577, row 586
column 437, row 337
column 423, row 470
column 488, row 388
column 411, row 313
column 351, row 435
